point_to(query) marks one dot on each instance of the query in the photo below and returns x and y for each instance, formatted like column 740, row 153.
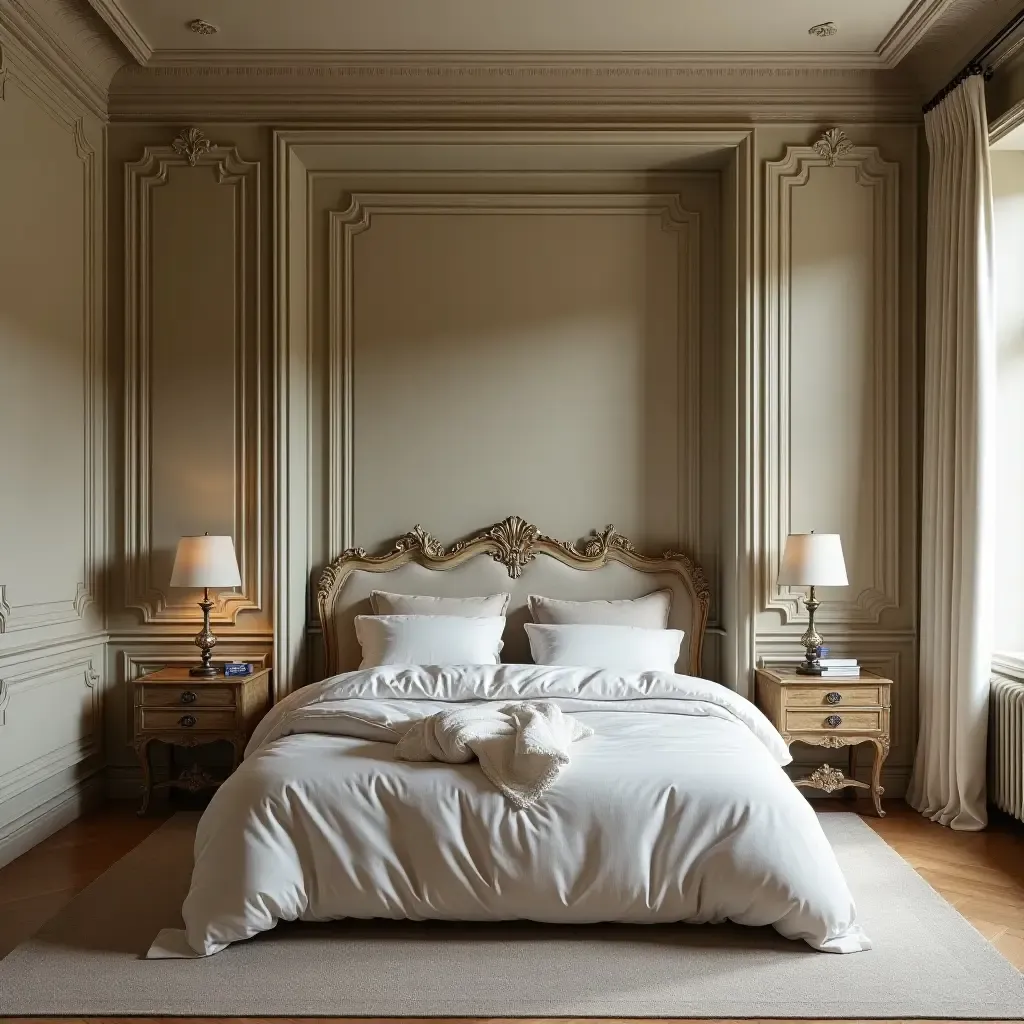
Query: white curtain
column 957, row 524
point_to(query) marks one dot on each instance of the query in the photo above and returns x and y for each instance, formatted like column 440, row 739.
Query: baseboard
column 50, row 816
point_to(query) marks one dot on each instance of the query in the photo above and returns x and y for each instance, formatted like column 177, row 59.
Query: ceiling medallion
column 824, row 30
column 202, row 28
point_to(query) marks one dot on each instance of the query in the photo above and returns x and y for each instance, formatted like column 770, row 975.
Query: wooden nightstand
column 173, row 707
column 830, row 713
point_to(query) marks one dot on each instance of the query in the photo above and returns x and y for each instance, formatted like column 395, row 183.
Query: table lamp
column 205, row 562
column 812, row 560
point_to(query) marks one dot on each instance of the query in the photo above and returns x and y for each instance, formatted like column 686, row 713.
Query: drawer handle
column 189, row 697
column 830, row 698
column 189, row 720
column 834, row 721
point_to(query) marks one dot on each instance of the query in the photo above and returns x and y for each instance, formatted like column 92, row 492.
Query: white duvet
column 675, row 809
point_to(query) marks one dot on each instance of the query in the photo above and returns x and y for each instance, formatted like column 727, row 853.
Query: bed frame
column 512, row 550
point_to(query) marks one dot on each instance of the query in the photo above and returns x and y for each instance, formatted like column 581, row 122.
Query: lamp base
column 805, row 669
column 206, row 671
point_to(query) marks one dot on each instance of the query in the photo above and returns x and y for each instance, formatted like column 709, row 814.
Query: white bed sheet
column 676, row 809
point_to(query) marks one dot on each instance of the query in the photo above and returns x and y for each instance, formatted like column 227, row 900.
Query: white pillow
column 621, row 648
column 384, row 603
column 429, row 640
column 649, row 612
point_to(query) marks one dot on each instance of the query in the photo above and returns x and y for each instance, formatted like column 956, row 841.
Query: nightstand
column 185, row 711
column 833, row 713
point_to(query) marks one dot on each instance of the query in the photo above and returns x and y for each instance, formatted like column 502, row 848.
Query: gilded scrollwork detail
column 826, row 778
column 515, row 539
column 514, row 543
column 834, row 741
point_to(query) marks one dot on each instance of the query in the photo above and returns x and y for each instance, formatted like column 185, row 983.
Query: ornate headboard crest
column 514, row 543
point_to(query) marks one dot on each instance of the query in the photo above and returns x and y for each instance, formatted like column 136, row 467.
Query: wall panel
column 833, row 376
column 840, row 402
column 560, row 334
column 193, row 416
column 52, row 461
column 51, row 388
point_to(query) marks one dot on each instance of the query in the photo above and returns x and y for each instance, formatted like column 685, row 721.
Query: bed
column 674, row 808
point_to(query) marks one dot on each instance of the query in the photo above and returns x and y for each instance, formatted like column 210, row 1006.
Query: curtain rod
column 976, row 65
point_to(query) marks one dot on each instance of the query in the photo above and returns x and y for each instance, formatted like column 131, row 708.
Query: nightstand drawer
column 853, row 696
column 202, row 696
column 833, row 721
column 201, row 720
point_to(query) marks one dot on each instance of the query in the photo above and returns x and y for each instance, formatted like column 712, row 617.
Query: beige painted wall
column 52, row 393
column 520, row 341
column 190, row 423
column 840, row 418
column 1008, row 194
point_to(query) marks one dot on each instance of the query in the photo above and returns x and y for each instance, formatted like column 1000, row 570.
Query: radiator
column 1006, row 746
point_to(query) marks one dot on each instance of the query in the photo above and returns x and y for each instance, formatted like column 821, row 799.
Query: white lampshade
column 205, row 562
column 813, row 560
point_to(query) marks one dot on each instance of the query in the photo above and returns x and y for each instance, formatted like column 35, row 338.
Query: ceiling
column 870, row 33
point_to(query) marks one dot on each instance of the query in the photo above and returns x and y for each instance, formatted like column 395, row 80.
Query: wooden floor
column 981, row 873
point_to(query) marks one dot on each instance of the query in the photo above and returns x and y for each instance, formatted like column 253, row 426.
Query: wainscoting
column 53, row 541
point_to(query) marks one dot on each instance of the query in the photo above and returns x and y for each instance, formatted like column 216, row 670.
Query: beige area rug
column 927, row 961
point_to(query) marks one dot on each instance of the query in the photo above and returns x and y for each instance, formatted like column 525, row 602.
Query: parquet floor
column 981, row 874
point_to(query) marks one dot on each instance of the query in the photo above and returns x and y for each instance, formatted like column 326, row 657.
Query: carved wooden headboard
column 606, row 565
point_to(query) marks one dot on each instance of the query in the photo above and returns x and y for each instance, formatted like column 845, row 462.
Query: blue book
column 237, row 668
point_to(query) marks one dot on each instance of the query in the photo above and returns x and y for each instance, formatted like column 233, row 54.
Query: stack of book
column 842, row 668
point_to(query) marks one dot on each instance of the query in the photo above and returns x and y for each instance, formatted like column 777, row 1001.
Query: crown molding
column 124, row 28
column 66, row 38
column 953, row 38
column 912, row 27
column 568, row 59
column 464, row 90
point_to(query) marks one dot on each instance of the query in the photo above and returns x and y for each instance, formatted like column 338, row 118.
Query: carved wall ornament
column 5, row 697
column 191, row 143
column 202, row 28
column 832, row 145
column 823, row 30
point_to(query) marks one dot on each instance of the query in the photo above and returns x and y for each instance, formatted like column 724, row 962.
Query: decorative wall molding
column 62, row 109
column 346, row 225
column 302, row 156
column 952, row 39
column 59, row 758
column 124, row 28
column 67, row 41
column 242, row 176
column 911, row 28
column 389, row 88
column 782, row 178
